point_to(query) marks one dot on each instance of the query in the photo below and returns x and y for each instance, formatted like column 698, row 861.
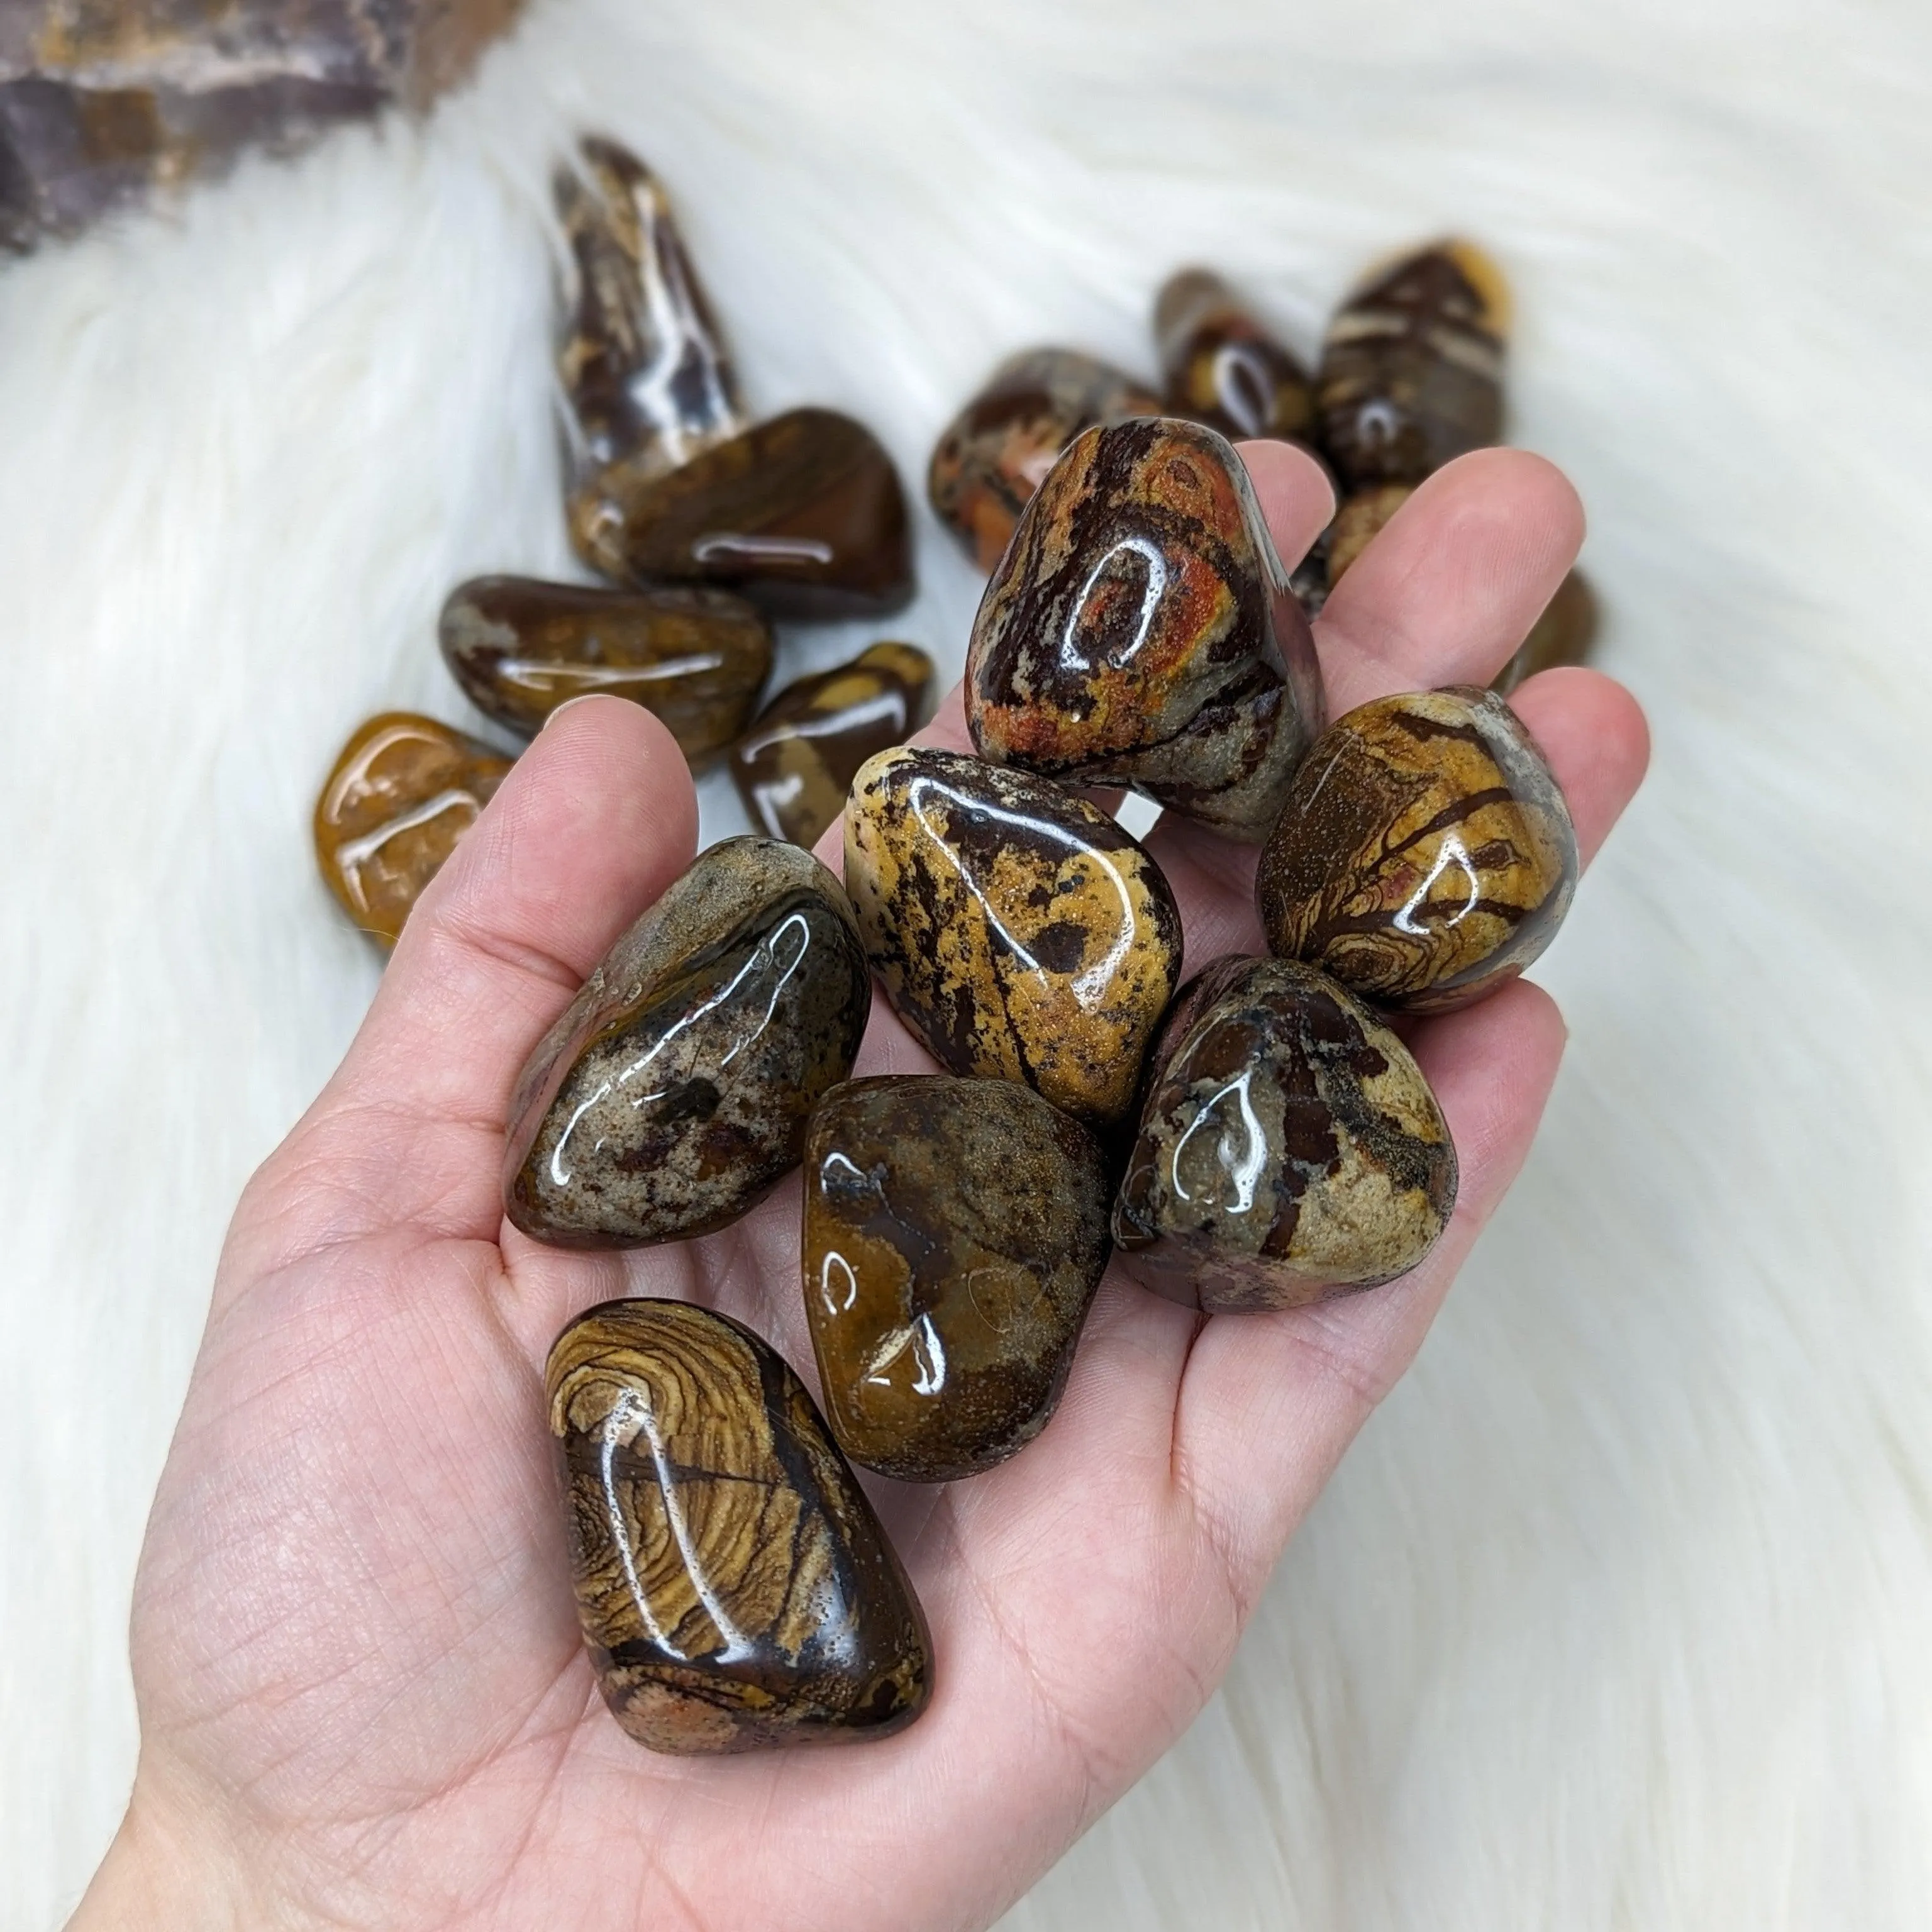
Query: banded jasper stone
column 1141, row 631
column 1017, row 929
column 404, row 789
column 803, row 513
column 1425, row 854
column 1289, row 1150
column 993, row 455
column 955, row 1232
column 734, row 1588
column 673, row 1091
column 1221, row 367
column 794, row 766
column 1564, row 634
column 1411, row 371
column 698, row 658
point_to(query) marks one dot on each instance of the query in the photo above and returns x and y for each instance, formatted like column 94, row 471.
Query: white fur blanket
column 1616, row 1616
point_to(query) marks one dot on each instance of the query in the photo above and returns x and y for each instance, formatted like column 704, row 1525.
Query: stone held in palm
column 673, row 1093
column 1222, row 367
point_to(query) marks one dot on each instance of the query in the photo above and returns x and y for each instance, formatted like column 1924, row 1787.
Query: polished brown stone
column 1411, row 371
column 1359, row 521
column 955, row 1232
column 803, row 513
column 1289, row 1150
column 698, row 658
column 405, row 789
column 1017, row 929
column 1222, row 367
column 673, row 1091
column 734, row 1588
column 794, row 766
column 1425, row 854
column 993, row 455
column 1141, row 631
column 1564, row 634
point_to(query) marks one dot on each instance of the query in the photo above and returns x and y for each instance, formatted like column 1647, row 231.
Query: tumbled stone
column 698, row 658
column 1222, row 367
column 735, row 1589
column 804, row 513
column 1289, row 1149
column 794, row 766
column 673, row 1091
column 955, row 1232
column 1562, row 635
column 404, row 790
column 1425, row 854
column 1141, row 631
column 1359, row 521
column 1411, row 371
column 1017, row 929
column 994, row 454
column 644, row 366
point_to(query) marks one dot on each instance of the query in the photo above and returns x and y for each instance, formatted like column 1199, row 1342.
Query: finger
column 1594, row 733
column 1294, row 493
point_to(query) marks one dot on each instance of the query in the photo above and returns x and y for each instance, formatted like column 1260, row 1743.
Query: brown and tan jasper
column 1564, row 634
column 673, row 1091
column 734, row 1588
column 955, row 1232
column 1222, row 367
column 1140, row 630
column 1359, row 521
column 698, row 658
column 1425, row 854
column 992, row 456
column 405, row 789
column 795, row 765
column 1017, row 929
column 1289, row 1150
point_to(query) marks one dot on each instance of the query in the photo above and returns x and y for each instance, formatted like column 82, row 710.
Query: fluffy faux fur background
column 1616, row 1616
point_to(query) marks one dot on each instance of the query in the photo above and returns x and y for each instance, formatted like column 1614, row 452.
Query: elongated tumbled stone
column 404, row 789
column 1425, row 854
column 673, row 1091
column 735, row 1589
column 955, row 1232
column 1141, row 631
column 1289, row 1149
column 698, row 658
column 804, row 513
column 1222, row 367
column 795, row 765
column 993, row 455
column 1017, row 929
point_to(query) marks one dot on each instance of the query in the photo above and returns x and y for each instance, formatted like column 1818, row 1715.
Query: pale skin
column 364, row 1701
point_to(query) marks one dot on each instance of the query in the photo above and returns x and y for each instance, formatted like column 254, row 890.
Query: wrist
column 167, row 1867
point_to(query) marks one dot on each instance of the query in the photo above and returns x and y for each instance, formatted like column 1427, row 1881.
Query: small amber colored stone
column 404, row 790
column 1411, row 371
column 993, row 455
column 794, row 766
column 1017, row 929
column 673, row 1092
column 1140, row 630
column 1425, row 854
column 698, row 658
column 1290, row 1150
column 1222, row 367
column 1360, row 520
column 1562, row 635
column 734, row 1588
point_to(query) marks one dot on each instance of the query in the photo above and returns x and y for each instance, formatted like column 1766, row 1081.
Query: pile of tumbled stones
column 1256, row 1139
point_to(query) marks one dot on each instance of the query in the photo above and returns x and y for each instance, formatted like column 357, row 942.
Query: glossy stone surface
column 698, row 658
column 1411, row 371
column 735, row 1589
column 1289, row 1149
column 1018, row 930
column 794, row 766
column 955, row 1232
column 673, row 1091
column 1564, row 634
column 1221, row 367
column 805, row 513
column 1141, row 631
column 644, row 365
column 1359, row 520
column 404, row 790
column 994, row 454
column 1426, row 853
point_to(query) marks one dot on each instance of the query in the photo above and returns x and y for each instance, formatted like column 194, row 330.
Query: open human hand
column 364, row 1699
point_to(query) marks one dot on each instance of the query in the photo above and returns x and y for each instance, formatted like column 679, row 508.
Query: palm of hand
column 359, row 1670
